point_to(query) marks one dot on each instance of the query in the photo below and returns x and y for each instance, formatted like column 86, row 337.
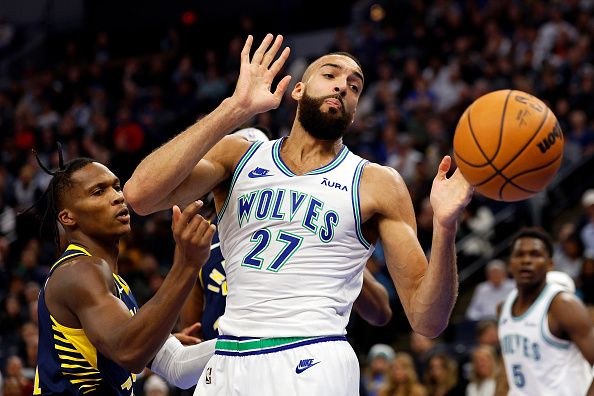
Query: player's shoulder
column 382, row 182
column 374, row 172
column 230, row 149
column 566, row 305
column 82, row 271
column 564, row 299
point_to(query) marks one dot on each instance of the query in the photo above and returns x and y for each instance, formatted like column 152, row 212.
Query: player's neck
column 107, row 250
column 302, row 148
column 528, row 294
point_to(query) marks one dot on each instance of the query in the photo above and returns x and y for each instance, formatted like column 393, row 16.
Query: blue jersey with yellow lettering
column 68, row 364
column 214, row 286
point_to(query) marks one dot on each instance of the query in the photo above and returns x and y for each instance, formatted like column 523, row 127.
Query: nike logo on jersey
column 259, row 172
column 304, row 365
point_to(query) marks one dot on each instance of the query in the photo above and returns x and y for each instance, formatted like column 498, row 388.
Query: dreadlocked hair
column 50, row 203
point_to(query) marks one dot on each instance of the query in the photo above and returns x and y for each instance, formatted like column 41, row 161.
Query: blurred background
column 112, row 80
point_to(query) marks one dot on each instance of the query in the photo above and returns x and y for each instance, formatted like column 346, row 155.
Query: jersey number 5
column 519, row 379
column 291, row 243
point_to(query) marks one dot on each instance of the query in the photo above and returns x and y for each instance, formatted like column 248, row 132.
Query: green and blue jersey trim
column 534, row 304
column 557, row 343
column 278, row 161
column 356, row 205
column 240, row 165
column 246, row 346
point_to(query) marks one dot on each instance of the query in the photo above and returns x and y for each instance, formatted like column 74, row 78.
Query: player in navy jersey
column 298, row 218
column 92, row 335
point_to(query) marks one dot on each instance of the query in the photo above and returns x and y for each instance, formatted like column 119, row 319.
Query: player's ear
column 66, row 218
column 297, row 92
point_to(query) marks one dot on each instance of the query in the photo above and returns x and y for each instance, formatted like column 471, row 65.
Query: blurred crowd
column 424, row 62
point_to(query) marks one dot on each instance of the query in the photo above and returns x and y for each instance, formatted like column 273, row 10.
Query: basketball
column 508, row 145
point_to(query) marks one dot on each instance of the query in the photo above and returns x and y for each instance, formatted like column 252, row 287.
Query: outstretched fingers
column 281, row 88
column 271, row 53
column 245, row 52
column 259, row 54
column 279, row 63
column 444, row 167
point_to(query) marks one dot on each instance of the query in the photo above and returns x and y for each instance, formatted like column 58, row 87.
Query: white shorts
column 308, row 366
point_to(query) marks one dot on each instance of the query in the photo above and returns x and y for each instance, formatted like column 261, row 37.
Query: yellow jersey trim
column 78, row 339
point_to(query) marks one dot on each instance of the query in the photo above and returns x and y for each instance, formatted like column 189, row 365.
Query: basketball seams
column 518, row 153
column 544, row 119
column 458, row 156
column 501, row 125
column 489, row 162
column 510, row 180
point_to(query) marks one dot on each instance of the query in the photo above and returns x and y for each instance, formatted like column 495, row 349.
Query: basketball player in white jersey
column 545, row 332
column 298, row 218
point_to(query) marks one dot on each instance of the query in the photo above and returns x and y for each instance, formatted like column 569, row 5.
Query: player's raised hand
column 253, row 91
column 192, row 233
column 449, row 196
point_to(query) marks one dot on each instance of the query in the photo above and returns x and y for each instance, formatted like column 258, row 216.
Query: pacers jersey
column 214, row 285
column 536, row 362
column 293, row 245
column 68, row 364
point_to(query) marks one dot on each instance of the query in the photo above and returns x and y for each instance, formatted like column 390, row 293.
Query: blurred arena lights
column 377, row 13
column 189, row 18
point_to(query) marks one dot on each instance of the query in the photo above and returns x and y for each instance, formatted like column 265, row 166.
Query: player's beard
column 330, row 125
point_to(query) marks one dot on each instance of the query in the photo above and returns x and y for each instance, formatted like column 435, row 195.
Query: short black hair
column 51, row 202
column 536, row 233
column 348, row 55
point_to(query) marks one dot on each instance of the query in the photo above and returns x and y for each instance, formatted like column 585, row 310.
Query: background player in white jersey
column 297, row 219
column 546, row 334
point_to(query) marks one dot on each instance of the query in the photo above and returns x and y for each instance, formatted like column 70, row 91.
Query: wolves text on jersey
column 268, row 204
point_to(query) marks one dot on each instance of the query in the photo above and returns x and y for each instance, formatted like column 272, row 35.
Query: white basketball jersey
column 293, row 246
column 536, row 362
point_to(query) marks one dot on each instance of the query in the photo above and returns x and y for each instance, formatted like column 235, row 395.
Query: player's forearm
column 140, row 338
column 373, row 304
column 166, row 168
column 435, row 298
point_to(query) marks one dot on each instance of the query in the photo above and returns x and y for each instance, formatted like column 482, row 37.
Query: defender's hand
column 253, row 90
column 192, row 233
column 449, row 196
column 185, row 336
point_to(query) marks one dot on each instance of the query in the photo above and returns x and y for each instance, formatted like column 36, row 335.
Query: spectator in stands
column 490, row 293
column 402, row 378
column 486, row 333
column 14, row 375
column 587, row 232
column 379, row 361
column 441, row 377
column 568, row 252
column 155, row 386
column 586, row 280
column 422, row 349
column 483, row 372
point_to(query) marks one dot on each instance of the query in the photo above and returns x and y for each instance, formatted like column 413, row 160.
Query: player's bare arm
column 569, row 319
column 373, row 304
column 181, row 170
column 130, row 341
column 427, row 292
column 192, row 310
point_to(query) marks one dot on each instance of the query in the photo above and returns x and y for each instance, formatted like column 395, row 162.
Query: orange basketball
column 508, row 145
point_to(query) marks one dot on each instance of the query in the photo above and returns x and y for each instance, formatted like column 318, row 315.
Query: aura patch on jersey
column 275, row 204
